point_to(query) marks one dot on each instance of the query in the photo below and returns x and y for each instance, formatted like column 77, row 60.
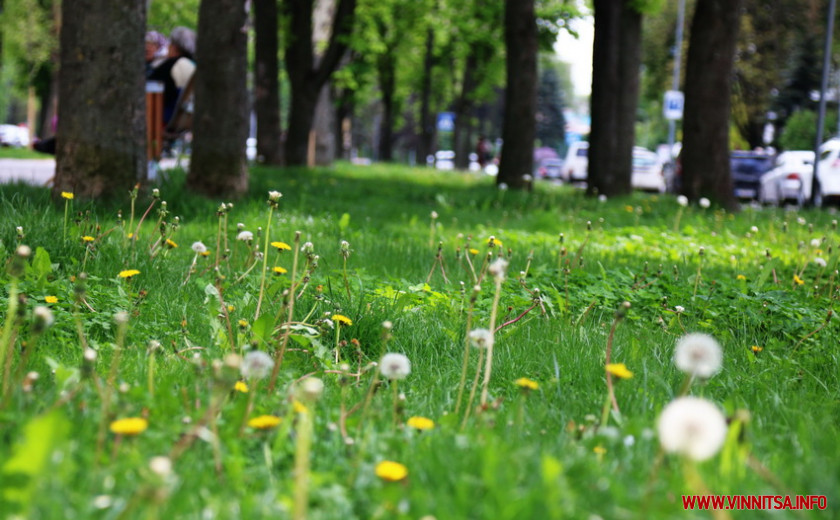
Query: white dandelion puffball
column 245, row 236
column 816, row 242
column 682, row 200
column 698, row 354
column 602, row 198
column 498, row 268
column 704, row 202
column 679, row 309
column 199, row 247
column 820, row 261
column 481, row 338
column 693, row 427
column 395, row 366
column 256, row 365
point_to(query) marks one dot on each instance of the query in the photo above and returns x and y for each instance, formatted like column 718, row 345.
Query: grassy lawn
column 165, row 346
column 22, row 153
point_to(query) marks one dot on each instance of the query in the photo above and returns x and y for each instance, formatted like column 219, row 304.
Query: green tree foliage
column 164, row 15
column 800, row 132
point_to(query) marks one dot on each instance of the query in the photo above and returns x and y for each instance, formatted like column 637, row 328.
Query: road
column 39, row 172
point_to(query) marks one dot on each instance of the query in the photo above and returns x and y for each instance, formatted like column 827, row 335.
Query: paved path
column 38, row 172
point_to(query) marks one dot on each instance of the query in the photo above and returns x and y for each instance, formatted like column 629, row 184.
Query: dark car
column 747, row 170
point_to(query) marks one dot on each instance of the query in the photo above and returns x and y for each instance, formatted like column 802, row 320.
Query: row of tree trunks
column 711, row 55
column 616, row 58
column 266, row 84
column 101, row 125
column 519, row 128
column 218, row 166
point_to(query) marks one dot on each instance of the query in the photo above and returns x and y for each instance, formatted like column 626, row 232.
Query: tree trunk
column 427, row 129
column 266, row 84
column 218, row 167
column 711, row 55
column 305, row 79
column 615, row 92
column 101, row 145
column 519, row 127
column 463, row 115
column 387, row 85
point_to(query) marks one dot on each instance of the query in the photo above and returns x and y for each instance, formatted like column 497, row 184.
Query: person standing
column 176, row 70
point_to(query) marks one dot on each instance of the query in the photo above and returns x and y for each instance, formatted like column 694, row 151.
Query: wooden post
column 310, row 150
column 154, row 120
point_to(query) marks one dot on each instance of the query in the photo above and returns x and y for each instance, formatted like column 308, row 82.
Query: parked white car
column 828, row 174
column 13, row 135
column 576, row 164
column 648, row 172
column 786, row 182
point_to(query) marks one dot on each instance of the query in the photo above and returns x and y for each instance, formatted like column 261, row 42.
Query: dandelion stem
column 473, row 389
column 618, row 316
column 282, row 351
column 489, row 366
column 8, row 327
column 464, row 367
column 302, row 449
column 265, row 262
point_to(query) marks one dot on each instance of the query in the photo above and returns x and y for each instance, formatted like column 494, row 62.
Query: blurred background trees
column 398, row 80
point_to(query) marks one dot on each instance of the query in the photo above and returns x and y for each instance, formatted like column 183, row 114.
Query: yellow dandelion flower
column 494, row 242
column 756, row 348
column 797, row 280
column 339, row 318
column 243, row 323
column 231, row 308
column 204, row 253
column 129, row 426
column 526, row 384
column 619, row 370
column 740, row 277
column 281, row 246
column 600, row 450
column 473, row 251
column 264, row 422
column 628, row 209
column 278, row 270
column 130, row 235
column 240, row 386
column 299, row 407
column 391, row 471
column 128, row 273
column 50, row 299
column 420, row 423
column 87, row 238
column 171, row 243
column 67, row 195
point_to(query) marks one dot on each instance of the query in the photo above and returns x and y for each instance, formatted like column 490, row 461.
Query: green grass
column 535, row 455
column 22, row 153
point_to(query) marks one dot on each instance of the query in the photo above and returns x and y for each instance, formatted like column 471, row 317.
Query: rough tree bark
column 101, row 134
column 708, row 84
column 615, row 93
column 387, row 76
column 519, row 127
column 266, row 84
column 305, row 77
column 427, row 128
column 218, row 167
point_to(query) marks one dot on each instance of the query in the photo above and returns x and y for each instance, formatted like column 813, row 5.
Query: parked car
column 648, row 173
column 577, row 162
column 13, row 135
column 786, row 182
column 549, row 169
column 747, row 170
column 828, row 175
column 445, row 160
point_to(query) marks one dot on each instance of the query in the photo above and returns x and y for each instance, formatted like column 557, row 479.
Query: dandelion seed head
column 679, row 309
column 161, row 466
column 497, row 269
column 682, row 200
column 699, row 355
column 820, row 261
column 704, row 202
column 245, row 236
column 199, row 247
column 256, row 365
column 395, row 366
column 481, row 338
column 310, row 389
column 693, row 427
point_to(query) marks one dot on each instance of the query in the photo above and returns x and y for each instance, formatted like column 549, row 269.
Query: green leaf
column 41, row 262
column 30, row 458
column 344, row 222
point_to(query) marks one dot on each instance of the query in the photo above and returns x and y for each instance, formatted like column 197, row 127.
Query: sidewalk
column 40, row 171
